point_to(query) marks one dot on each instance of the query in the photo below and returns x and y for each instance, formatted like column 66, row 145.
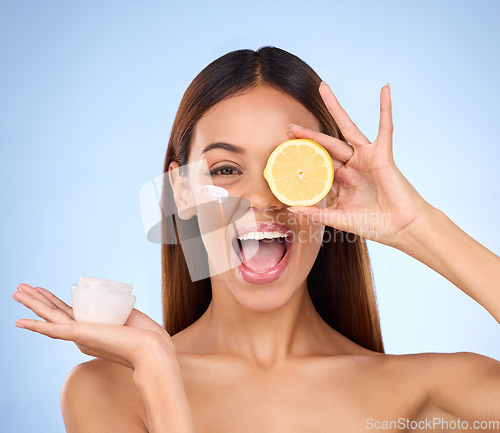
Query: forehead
column 257, row 120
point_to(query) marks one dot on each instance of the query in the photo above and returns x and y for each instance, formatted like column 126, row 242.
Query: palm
column 370, row 197
column 110, row 342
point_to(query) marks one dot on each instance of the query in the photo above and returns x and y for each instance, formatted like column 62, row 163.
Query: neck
column 265, row 337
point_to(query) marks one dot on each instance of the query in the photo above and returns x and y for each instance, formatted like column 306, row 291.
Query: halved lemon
column 299, row 172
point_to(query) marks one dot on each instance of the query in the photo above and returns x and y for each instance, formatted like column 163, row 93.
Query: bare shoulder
column 434, row 362
column 101, row 396
column 456, row 385
column 454, row 369
column 433, row 369
column 402, row 379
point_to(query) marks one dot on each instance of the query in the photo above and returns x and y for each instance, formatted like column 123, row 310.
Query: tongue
column 260, row 256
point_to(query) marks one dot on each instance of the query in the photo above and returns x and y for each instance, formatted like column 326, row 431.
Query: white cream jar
column 102, row 301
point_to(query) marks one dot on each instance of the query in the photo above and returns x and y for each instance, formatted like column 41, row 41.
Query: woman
column 299, row 350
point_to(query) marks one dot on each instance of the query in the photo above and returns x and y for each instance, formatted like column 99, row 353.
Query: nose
column 261, row 197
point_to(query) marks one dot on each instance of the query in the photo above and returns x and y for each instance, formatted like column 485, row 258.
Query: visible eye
column 226, row 170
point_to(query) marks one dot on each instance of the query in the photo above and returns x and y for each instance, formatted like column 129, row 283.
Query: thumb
column 137, row 319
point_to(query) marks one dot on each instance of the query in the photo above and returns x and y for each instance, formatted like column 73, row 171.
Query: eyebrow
column 221, row 145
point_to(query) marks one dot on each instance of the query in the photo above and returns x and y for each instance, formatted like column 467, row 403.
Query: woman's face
column 261, row 275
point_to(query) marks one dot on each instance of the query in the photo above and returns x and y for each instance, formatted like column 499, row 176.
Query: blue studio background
column 88, row 94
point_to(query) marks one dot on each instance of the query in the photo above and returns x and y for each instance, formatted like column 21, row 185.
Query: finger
column 47, row 312
column 137, row 319
column 386, row 127
column 69, row 333
column 113, row 342
column 55, row 301
column 336, row 163
column 61, row 331
column 86, row 335
column 336, row 148
column 33, row 292
column 46, row 297
column 348, row 128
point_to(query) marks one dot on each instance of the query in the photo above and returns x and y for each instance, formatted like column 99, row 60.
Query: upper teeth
column 262, row 235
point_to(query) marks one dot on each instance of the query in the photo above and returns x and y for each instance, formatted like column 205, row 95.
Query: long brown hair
column 340, row 282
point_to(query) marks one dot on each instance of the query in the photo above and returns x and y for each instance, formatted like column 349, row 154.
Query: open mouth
column 261, row 247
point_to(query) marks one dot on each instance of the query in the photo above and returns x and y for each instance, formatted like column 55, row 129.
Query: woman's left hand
column 370, row 197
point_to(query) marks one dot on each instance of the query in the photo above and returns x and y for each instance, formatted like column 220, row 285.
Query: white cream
column 106, row 285
column 214, row 193
column 102, row 301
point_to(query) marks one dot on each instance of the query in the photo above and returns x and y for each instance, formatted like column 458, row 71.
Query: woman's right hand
column 138, row 340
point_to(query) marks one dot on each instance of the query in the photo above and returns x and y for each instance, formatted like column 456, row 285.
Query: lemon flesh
column 299, row 172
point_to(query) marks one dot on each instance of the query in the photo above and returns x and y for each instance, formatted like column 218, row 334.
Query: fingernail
column 293, row 124
column 323, row 82
column 15, row 297
column 388, row 85
column 20, row 326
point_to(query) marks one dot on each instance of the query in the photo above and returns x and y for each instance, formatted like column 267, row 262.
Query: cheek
column 213, row 234
column 308, row 244
column 217, row 225
column 310, row 236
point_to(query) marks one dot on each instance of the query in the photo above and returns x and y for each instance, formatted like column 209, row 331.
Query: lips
column 270, row 274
